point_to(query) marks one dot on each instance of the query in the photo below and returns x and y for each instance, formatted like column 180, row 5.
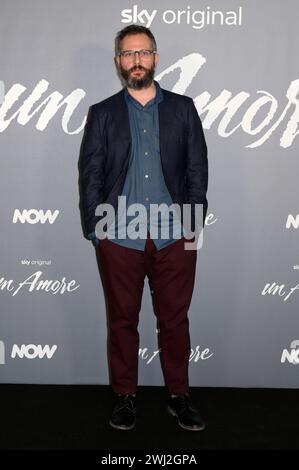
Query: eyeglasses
column 143, row 54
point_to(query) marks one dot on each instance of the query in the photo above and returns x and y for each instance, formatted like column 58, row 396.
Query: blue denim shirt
column 144, row 181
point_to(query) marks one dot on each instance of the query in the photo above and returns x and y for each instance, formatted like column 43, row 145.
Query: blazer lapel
column 121, row 116
column 165, row 113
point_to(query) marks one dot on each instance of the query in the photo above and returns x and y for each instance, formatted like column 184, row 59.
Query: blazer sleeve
column 91, row 172
column 197, row 163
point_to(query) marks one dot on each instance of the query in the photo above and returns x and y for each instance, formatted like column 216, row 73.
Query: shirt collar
column 157, row 99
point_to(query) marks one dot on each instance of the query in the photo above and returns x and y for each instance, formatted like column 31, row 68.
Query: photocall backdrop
column 238, row 60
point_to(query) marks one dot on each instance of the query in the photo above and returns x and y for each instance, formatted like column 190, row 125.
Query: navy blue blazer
column 105, row 151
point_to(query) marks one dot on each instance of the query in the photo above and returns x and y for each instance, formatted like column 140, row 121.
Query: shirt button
column 146, row 198
column 144, row 130
column 146, row 176
column 145, row 153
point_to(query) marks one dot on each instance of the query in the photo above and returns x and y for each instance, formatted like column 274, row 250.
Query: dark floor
column 76, row 417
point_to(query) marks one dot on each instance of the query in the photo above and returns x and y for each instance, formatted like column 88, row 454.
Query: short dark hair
column 130, row 30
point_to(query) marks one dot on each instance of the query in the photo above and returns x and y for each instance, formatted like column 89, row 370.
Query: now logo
column 291, row 356
column 32, row 351
column 292, row 221
column 35, row 216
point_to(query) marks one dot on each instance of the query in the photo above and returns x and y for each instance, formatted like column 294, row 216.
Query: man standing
column 144, row 144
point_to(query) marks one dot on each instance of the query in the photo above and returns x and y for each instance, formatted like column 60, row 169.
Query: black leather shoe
column 188, row 418
column 124, row 413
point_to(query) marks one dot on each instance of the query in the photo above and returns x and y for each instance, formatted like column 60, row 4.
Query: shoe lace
column 183, row 402
column 126, row 401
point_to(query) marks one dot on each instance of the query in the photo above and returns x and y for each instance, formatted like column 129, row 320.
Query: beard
column 137, row 82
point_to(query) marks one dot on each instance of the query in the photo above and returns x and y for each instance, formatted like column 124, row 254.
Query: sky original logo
column 291, row 355
column 132, row 15
column 198, row 19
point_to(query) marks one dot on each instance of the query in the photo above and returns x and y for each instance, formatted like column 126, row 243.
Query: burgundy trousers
column 171, row 274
